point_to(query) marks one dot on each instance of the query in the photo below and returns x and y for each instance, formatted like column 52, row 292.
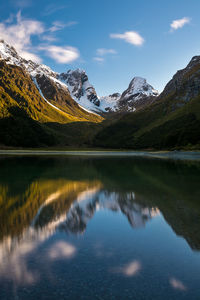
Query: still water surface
column 99, row 228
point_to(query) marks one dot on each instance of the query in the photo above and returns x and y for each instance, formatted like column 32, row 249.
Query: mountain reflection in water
column 43, row 198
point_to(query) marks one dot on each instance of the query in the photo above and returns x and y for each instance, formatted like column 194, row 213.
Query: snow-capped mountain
column 10, row 55
column 76, row 84
column 80, row 88
column 138, row 93
column 137, row 88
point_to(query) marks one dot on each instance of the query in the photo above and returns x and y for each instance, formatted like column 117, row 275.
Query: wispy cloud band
column 179, row 23
column 61, row 55
column 57, row 25
column 19, row 33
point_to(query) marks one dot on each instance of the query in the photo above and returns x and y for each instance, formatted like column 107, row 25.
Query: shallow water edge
column 180, row 155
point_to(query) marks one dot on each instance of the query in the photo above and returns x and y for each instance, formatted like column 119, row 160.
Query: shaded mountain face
column 185, row 84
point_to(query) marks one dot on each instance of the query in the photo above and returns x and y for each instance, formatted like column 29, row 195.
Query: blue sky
column 112, row 40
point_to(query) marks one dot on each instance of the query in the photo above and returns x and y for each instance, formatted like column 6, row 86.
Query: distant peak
column 80, row 71
column 139, row 88
column 137, row 78
column 139, row 81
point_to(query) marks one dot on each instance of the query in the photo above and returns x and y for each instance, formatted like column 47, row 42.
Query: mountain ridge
column 34, row 99
column 170, row 122
column 77, row 85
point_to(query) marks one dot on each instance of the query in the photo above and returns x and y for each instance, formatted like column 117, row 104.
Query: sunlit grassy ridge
column 26, row 119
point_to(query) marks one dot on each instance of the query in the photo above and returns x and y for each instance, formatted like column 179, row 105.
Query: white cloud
column 177, row 284
column 131, row 37
column 19, row 35
column 103, row 51
column 99, row 59
column 179, row 23
column 61, row 55
column 57, row 25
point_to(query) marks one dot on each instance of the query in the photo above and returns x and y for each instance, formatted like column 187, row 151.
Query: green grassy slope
column 173, row 121
column 26, row 118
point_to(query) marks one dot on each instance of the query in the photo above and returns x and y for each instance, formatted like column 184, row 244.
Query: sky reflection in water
column 99, row 228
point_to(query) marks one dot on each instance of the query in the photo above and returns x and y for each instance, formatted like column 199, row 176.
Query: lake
column 99, row 227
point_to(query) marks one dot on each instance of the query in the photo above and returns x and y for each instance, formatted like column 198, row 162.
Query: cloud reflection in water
column 130, row 269
column 62, row 250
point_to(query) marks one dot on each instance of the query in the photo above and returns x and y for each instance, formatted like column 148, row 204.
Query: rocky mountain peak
column 195, row 60
column 138, row 94
column 76, row 83
column 80, row 87
column 73, row 77
column 10, row 55
column 138, row 88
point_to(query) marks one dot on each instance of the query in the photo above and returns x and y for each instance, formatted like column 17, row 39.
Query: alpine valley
column 43, row 108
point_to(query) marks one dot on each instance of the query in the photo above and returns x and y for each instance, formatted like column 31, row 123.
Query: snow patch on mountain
column 35, row 81
column 109, row 103
column 85, row 105
column 81, row 90
column 138, row 88
column 84, row 93
column 9, row 54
